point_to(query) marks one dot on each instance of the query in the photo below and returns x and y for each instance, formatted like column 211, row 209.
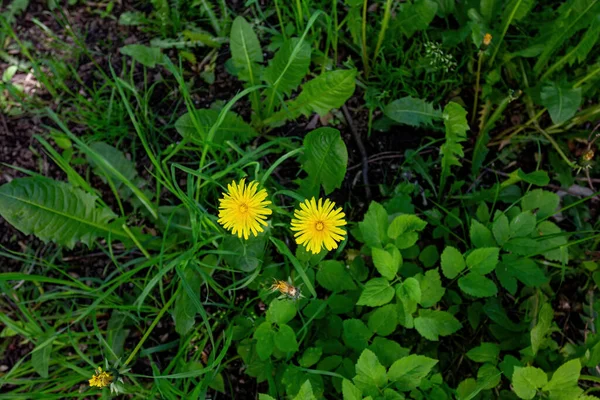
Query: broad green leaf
column 561, row 100
column 374, row 225
column 387, row 261
column 409, row 293
column 412, row 111
column 383, row 320
column 551, row 242
column 350, row 392
column 320, row 95
column 455, row 122
column 387, row 351
column 40, row 356
column 232, row 128
column 281, row 311
column 285, row 339
column 306, row 392
column 501, row 229
column 325, row 158
column 405, row 223
column 265, row 340
column 488, row 377
column 334, row 277
column 483, row 261
column 485, row 353
column 477, row 285
column 286, row 69
column 508, row 365
column 453, row 262
column 369, row 371
column 431, row 288
column 56, row 211
column 408, row 372
column 417, row 16
column 540, row 202
column 467, row 389
column 356, row 335
column 432, row 324
column 480, row 235
column 566, row 375
column 527, row 380
column 541, row 329
column 310, row 357
column 148, row 56
column 185, row 310
column 377, row 292
column 245, row 49
column 429, row 256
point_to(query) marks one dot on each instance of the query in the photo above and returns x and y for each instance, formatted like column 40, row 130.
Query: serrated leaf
column 405, row 223
column 40, row 356
column 501, row 229
column 334, row 277
column 477, row 285
column 485, row 353
column 325, row 158
column 184, row 313
column 566, row 375
column 350, row 392
column 148, row 56
column 310, row 357
column 56, row 211
column 561, row 100
column 245, row 47
column 374, row 225
column 432, row 290
column 409, row 293
column 265, row 340
column 453, row 262
column 369, row 371
column 377, row 292
column 483, row 261
column 540, row 202
column 387, row 261
column 383, row 320
column 541, row 329
column 232, row 128
column 488, row 377
column 480, row 235
column 527, row 380
column 408, row 372
column 411, row 111
column 305, row 392
column 281, row 311
column 356, row 334
column 455, row 122
column 432, row 324
column 387, row 351
column 416, row 16
column 285, row 339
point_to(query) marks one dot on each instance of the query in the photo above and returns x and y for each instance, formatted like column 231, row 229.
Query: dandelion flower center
column 243, row 209
column 101, row 378
column 318, row 225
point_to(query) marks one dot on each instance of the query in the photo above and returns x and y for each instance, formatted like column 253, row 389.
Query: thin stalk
column 384, row 25
column 281, row 26
column 365, row 56
column 477, row 78
column 334, row 34
column 300, row 16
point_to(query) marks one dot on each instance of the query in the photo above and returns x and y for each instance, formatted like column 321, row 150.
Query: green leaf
column 429, row 256
column 432, row 324
column 40, row 356
column 467, row 389
column 369, row 371
column 416, row 17
column 455, row 122
column 374, row 225
column 306, row 392
column 383, row 320
column 320, row 95
column 265, row 340
column 566, row 375
column 485, row 353
column 527, row 380
column 387, row 351
column 245, row 49
column 453, row 262
column 148, row 56
column 483, row 261
column 281, row 311
column 561, row 100
column 56, row 211
column 334, row 277
column 184, row 313
column 546, row 203
column 325, row 158
column 404, row 224
column 377, row 292
column 285, row 339
column 480, row 235
column 350, row 392
column 411, row 111
column 501, row 229
column 408, row 372
column 310, row 357
column 232, row 128
column 409, row 292
column 488, row 377
column 541, row 329
column 356, row 335
column 386, row 262
column 477, row 285
column 287, row 68
column 431, row 288
column 262, row 396
column 283, row 249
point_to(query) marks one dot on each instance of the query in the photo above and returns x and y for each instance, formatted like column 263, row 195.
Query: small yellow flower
column 101, row 378
column 243, row 209
column 487, row 39
column 318, row 225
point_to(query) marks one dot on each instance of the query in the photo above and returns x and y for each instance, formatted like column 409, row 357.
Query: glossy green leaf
column 325, row 158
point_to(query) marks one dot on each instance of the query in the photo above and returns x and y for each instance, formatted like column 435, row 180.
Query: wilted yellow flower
column 318, row 225
column 101, row 378
column 243, row 209
column 487, row 39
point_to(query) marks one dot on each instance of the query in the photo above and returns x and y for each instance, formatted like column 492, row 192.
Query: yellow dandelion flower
column 101, row 378
column 487, row 39
column 318, row 225
column 243, row 209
